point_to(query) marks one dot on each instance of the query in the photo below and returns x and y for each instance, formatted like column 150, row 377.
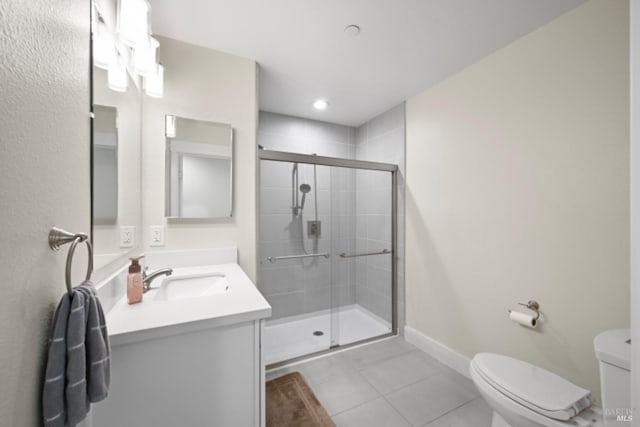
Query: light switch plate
column 157, row 235
column 127, row 236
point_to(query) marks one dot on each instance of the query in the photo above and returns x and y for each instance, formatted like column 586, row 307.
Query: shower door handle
column 382, row 252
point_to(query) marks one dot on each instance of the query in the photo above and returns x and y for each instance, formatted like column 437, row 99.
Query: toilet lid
column 534, row 387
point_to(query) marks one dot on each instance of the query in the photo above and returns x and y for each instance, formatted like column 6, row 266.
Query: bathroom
column 513, row 177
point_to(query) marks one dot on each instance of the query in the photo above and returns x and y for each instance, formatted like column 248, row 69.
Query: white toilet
column 524, row 395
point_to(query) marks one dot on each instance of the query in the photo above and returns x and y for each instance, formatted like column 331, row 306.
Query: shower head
column 305, row 188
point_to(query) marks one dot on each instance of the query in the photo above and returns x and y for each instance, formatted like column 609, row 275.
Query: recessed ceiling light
column 352, row 30
column 320, row 104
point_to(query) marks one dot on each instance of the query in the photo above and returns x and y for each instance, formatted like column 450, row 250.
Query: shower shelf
column 278, row 258
column 382, row 252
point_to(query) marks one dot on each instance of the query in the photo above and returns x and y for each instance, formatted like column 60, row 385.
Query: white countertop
column 153, row 319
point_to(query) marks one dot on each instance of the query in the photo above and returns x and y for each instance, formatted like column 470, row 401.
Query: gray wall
column 44, row 181
column 381, row 139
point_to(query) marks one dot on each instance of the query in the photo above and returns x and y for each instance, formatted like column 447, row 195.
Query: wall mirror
column 199, row 169
column 105, row 165
column 116, row 147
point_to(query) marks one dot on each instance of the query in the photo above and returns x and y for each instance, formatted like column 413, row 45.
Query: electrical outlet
column 157, row 235
column 127, row 236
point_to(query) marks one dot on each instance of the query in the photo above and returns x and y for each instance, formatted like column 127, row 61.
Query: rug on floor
column 291, row 403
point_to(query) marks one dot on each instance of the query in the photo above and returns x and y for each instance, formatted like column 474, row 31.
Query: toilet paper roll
column 523, row 319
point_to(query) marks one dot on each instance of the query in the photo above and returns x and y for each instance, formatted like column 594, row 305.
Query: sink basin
column 192, row 286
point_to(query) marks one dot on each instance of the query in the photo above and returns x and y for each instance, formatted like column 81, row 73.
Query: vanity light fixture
column 320, row 104
column 154, row 82
column 117, row 78
column 133, row 23
column 128, row 50
column 144, row 58
column 104, row 52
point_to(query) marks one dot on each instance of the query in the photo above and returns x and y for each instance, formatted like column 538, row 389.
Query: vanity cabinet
column 202, row 377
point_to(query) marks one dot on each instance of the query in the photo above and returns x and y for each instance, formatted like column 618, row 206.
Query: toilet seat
column 535, row 388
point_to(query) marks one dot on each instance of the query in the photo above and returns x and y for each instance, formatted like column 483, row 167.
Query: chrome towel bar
column 382, row 252
column 59, row 237
column 278, row 258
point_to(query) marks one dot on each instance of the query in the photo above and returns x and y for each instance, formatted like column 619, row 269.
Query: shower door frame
column 312, row 159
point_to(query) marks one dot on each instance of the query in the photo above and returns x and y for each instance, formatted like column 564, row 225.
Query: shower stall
column 327, row 252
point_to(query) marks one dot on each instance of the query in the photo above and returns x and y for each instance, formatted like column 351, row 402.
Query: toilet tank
column 613, row 350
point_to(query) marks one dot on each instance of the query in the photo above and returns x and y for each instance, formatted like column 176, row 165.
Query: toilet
column 524, row 395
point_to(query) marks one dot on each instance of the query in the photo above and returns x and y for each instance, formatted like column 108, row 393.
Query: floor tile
column 399, row 371
column 361, row 357
column 460, row 380
column 429, row 399
column 377, row 413
column 342, row 393
column 324, row 369
column 473, row 414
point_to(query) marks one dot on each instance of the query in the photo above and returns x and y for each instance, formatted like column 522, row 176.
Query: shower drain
column 318, row 333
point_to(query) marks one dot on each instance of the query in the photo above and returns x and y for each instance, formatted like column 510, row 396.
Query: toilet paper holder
column 533, row 306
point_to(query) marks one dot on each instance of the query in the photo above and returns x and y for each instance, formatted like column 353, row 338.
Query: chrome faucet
column 148, row 278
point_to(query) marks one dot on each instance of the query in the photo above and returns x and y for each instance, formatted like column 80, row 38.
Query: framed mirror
column 199, row 169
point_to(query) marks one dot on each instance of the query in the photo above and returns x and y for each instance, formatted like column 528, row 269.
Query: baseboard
column 438, row 351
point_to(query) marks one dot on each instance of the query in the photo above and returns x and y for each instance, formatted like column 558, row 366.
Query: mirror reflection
column 116, row 171
column 199, row 163
column 105, row 164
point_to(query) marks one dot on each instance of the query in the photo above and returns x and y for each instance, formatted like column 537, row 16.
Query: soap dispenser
column 134, row 281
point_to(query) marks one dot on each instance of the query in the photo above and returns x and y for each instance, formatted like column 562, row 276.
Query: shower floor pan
column 296, row 336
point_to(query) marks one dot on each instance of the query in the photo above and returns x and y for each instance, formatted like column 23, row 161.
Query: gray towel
column 97, row 347
column 78, row 366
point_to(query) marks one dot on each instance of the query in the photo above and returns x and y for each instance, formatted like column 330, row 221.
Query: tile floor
column 391, row 383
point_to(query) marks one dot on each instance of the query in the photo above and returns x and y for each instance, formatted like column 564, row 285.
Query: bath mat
column 291, row 403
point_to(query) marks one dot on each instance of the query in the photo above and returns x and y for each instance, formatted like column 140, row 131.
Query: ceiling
column 404, row 47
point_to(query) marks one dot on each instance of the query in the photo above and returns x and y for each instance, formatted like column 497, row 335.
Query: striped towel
column 78, row 365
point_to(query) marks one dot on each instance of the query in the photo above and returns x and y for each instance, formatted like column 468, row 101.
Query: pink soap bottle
column 134, row 282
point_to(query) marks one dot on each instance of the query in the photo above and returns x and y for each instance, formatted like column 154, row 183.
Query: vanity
column 190, row 353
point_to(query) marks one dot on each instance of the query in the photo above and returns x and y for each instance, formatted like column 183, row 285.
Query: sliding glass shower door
column 362, row 248
column 326, row 244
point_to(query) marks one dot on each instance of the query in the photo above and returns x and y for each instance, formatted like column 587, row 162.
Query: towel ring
column 59, row 237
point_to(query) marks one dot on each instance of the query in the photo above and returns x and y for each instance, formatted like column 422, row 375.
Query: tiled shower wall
column 381, row 139
column 305, row 285
column 354, row 207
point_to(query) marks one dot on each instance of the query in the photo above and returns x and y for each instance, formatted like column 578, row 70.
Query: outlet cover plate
column 127, row 236
column 157, row 235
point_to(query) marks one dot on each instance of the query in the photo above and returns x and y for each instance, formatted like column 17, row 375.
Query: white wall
column 44, row 182
column 635, row 207
column 517, row 189
column 203, row 84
